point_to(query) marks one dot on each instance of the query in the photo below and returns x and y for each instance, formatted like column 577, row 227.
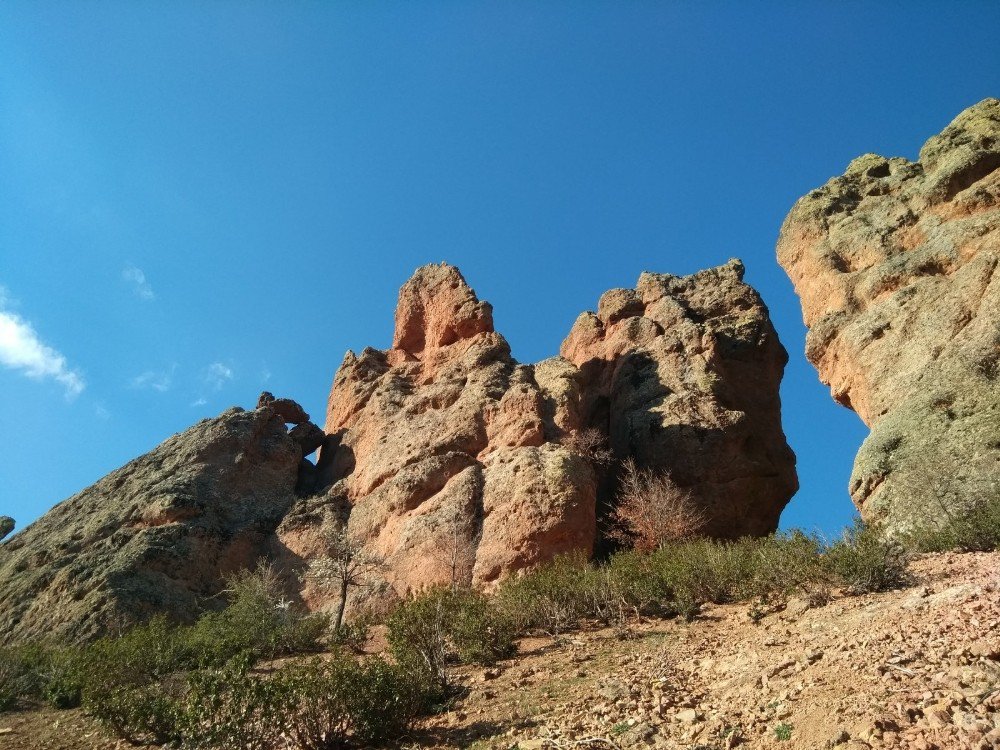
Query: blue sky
column 202, row 200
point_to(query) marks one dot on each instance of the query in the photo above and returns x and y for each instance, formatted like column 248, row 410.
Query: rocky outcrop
column 6, row 526
column 156, row 535
column 443, row 449
column 443, row 459
column 286, row 408
column 896, row 266
column 449, row 460
column 682, row 373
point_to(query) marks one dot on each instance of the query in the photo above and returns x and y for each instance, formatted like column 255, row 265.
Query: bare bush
column 345, row 564
column 653, row 510
column 453, row 550
column 590, row 443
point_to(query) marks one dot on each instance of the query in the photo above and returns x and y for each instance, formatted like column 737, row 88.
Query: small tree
column 453, row 550
column 653, row 510
column 345, row 564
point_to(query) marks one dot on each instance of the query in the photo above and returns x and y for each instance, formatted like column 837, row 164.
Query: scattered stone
column 688, row 716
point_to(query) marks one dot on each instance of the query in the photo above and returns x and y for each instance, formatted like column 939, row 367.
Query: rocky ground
column 916, row 669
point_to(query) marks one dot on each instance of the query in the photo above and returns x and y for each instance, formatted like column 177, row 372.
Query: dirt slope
column 918, row 668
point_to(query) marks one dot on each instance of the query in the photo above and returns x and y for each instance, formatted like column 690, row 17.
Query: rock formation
column 156, row 535
column 442, row 458
column 6, row 526
column 682, row 373
column 444, row 450
column 449, row 459
column 896, row 266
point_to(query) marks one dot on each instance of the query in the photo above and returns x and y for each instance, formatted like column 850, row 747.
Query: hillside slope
column 917, row 668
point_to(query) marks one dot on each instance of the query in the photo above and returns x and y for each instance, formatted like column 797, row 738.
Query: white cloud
column 157, row 381
column 199, row 402
column 21, row 349
column 217, row 375
column 137, row 279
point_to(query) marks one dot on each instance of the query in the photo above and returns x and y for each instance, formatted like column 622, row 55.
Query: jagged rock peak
column 436, row 308
column 895, row 265
column 444, row 442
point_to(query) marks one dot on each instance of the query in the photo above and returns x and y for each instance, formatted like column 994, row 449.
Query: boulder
column 308, row 436
column 156, row 536
column 287, row 409
column 6, row 526
column 682, row 373
column 895, row 263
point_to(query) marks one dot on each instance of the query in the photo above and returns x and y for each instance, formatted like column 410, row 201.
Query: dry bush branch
column 653, row 510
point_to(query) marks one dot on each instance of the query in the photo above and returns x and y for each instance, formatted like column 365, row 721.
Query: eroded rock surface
column 450, row 460
column 896, row 266
column 682, row 373
column 156, row 535
column 443, row 449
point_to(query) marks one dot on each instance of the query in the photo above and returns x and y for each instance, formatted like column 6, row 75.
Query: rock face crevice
column 895, row 264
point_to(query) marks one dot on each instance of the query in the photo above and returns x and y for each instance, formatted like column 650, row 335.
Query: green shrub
column 234, row 708
column 975, row 530
column 62, row 671
column 139, row 714
column 418, row 635
column 479, row 632
column 16, row 678
column 555, row 597
column 385, row 700
column 866, row 561
column 39, row 671
column 257, row 622
column 319, row 705
column 353, row 635
column 635, row 586
column 440, row 625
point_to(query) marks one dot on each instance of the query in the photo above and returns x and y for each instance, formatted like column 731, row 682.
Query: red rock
column 455, row 460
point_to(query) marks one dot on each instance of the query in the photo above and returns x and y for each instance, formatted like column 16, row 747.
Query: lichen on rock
column 895, row 263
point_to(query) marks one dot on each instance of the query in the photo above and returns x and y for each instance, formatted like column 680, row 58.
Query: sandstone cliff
column 156, row 535
column 896, row 266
